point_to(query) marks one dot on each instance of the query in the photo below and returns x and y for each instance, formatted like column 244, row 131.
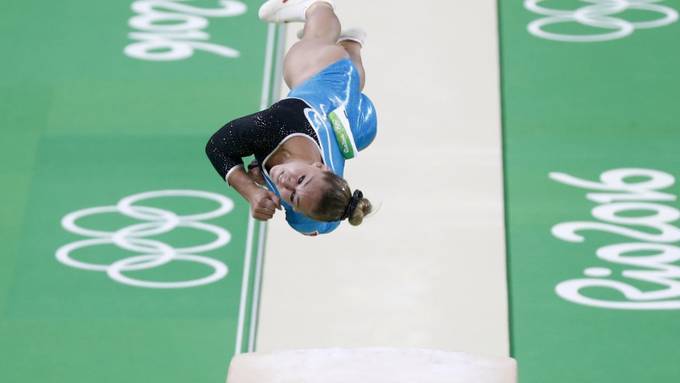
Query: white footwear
column 285, row 11
column 357, row 35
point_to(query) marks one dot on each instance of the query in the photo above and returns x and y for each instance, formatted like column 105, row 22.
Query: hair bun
column 362, row 209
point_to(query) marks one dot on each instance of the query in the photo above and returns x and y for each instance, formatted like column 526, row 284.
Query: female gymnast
column 301, row 142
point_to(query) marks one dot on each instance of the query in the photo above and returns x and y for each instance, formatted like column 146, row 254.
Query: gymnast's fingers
column 276, row 200
column 265, row 210
column 267, row 204
column 263, row 214
column 261, row 217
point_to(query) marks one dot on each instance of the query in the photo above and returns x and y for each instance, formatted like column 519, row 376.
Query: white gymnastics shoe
column 286, row 11
column 357, row 35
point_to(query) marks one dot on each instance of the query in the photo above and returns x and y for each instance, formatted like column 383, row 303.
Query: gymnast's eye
column 301, row 179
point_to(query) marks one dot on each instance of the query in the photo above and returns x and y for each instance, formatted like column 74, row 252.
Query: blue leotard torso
column 345, row 123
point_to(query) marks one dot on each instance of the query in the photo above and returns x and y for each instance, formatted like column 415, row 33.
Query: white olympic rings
column 599, row 14
column 153, row 253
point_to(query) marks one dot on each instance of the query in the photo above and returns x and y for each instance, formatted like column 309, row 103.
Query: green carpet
column 101, row 103
column 591, row 115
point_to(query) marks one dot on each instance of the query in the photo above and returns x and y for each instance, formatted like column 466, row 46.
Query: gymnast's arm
column 225, row 149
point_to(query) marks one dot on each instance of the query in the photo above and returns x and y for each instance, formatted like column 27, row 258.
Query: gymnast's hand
column 264, row 204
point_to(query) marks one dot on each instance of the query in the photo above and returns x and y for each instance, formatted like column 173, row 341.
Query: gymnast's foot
column 357, row 35
column 286, row 11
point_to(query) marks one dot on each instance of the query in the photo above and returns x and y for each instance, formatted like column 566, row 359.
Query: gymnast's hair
column 339, row 203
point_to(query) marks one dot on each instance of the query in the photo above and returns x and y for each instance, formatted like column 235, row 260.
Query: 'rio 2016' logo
column 135, row 238
column 632, row 205
column 599, row 14
column 170, row 31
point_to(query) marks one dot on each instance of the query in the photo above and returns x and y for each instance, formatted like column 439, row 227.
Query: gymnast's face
column 300, row 184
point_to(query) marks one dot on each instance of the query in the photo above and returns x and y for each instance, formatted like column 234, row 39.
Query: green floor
column 591, row 135
column 100, row 102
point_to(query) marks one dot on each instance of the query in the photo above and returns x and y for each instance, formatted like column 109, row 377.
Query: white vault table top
column 371, row 365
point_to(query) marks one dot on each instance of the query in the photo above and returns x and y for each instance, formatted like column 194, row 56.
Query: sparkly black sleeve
column 229, row 145
column 257, row 134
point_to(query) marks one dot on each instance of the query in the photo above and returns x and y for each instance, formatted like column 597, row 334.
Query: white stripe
column 244, row 285
column 278, row 68
column 275, row 93
column 308, row 112
column 266, row 79
column 256, row 291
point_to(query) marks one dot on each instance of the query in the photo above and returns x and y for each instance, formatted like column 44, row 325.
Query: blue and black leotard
column 328, row 109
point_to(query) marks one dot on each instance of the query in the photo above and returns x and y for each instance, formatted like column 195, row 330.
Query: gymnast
column 301, row 143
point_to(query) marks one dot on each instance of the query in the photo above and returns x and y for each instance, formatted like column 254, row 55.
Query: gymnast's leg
column 353, row 48
column 317, row 49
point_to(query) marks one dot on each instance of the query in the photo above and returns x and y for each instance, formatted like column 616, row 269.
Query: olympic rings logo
column 599, row 15
column 152, row 253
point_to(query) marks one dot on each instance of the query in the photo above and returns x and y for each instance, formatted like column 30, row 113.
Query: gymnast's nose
column 288, row 182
